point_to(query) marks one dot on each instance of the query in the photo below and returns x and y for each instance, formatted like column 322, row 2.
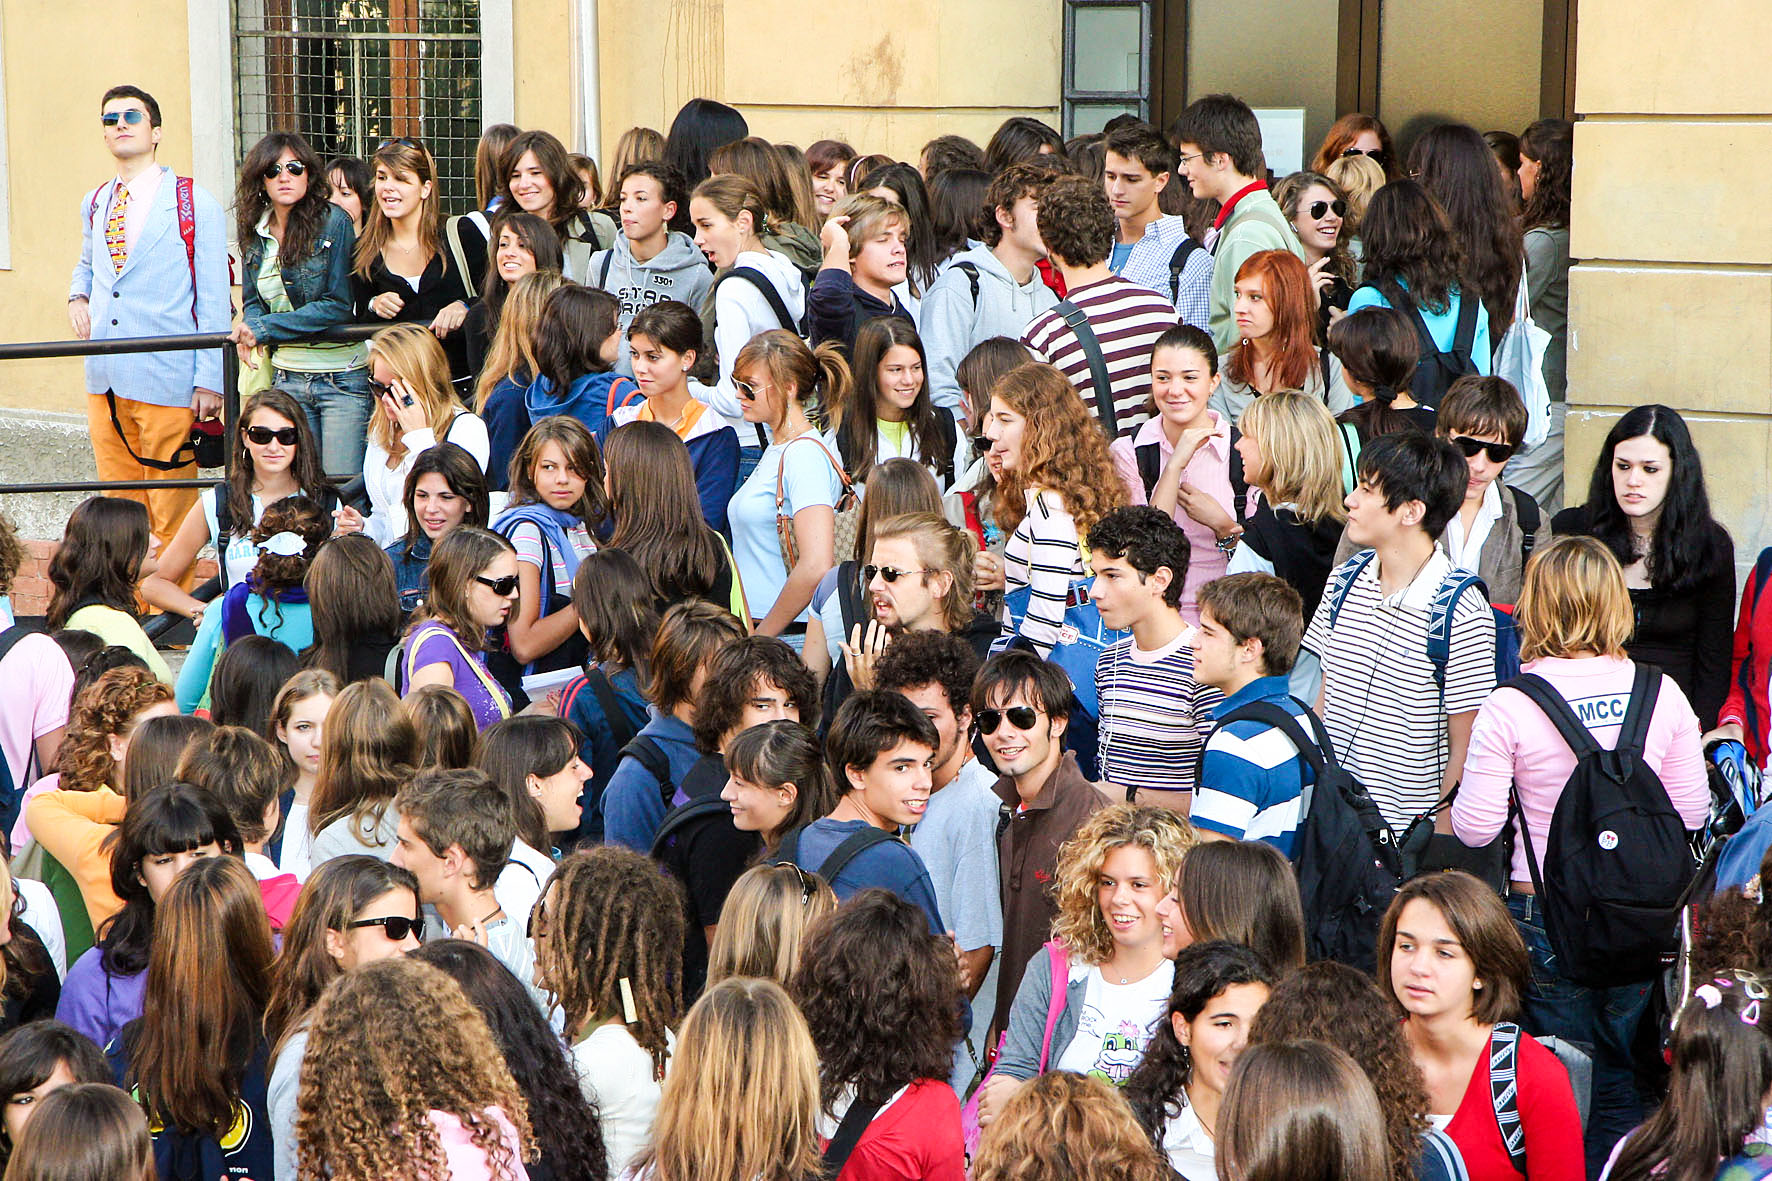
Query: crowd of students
column 1102, row 751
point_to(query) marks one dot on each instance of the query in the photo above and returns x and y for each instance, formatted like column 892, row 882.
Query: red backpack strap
column 187, row 229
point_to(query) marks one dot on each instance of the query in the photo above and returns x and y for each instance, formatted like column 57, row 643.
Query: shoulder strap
column 1439, row 624
column 1464, row 337
column 603, row 274
column 1350, row 453
column 1149, row 457
column 1239, row 482
column 970, row 270
column 781, row 494
column 1178, row 264
column 650, row 756
column 185, row 192
column 452, row 236
column 1762, row 573
column 1633, row 732
column 1557, row 710
column 765, row 285
column 1098, row 373
column 679, row 818
column 849, row 1133
column 1504, row 1090
column 1316, row 750
column 619, row 400
column 853, row 846
column 390, row 668
column 1342, row 581
column 1059, row 960
column 1526, row 515
column 949, row 430
column 603, row 688
column 849, row 604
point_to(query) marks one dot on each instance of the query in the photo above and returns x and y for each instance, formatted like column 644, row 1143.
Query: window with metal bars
column 349, row 74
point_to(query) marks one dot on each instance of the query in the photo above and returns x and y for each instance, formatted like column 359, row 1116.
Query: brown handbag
column 847, row 510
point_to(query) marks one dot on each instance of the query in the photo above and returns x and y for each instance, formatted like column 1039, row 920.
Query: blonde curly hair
column 104, row 709
column 1080, row 925
column 1063, row 449
column 390, row 1043
column 1067, row 1127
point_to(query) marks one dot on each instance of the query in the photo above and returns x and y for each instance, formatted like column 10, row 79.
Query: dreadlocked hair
column 393, row 1042
column 613, row 917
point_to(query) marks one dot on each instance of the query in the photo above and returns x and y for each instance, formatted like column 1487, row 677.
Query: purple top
column 97, row 1003
column 434, row 643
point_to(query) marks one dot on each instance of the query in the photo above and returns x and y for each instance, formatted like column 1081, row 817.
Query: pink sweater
column 1512, row 742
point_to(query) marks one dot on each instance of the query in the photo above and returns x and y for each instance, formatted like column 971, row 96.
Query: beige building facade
column 1671, row 300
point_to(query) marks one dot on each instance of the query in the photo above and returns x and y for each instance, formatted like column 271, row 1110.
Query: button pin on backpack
column 1608, row 840
column 1068, row 634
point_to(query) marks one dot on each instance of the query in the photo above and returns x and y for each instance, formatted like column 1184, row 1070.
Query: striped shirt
column 1154, row 715
column 1251, row 775
column 1381, row 706
column 1126, row 320
column 1043, row 553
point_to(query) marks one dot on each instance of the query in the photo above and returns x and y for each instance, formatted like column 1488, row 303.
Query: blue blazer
column 152, row 296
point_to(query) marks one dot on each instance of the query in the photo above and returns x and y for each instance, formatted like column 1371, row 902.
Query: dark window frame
column 1140, row 99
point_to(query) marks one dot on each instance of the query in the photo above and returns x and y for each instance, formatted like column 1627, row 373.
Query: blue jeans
column 338, row 407
column 1602, row 1021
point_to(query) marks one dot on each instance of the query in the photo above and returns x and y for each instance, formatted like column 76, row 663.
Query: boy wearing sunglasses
column 1021, row 705
column 1496, row 528
column 153, row 262
column 455, row 834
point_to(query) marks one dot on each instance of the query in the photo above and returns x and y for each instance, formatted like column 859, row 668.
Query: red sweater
column 1547, row 1112
column 914, row 1138
column 1751, row 665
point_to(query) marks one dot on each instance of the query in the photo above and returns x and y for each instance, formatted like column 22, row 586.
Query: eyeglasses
column 132, row 116
column 890, row 573
column 1022, row 717
column 1319, row 208
column 1182, row 162
column 808, row 884
column 1376, row 155
column 504, row 587
column 749, row 392
column 262, row 435
column 1498, row 452
column 398, row 926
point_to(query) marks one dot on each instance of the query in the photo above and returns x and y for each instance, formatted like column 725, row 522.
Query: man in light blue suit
column 153, row 262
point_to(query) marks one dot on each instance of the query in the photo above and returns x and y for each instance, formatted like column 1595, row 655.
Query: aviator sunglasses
column 132, row 116
column 292, row 167
column 1319, row 208
column 1022, row 717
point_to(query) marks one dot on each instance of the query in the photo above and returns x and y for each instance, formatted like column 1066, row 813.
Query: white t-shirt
column 241, row 555
column 298, row 843
column 1188, row 1146
column 44, row 917
column 386, row 486
column 1116, row 1024
column 615, row 1075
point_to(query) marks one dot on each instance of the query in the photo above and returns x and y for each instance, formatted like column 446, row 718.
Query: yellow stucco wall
column 56, row 152
column 1672, row 300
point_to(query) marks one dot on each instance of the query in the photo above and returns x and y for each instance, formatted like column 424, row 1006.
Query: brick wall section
column 31, row 589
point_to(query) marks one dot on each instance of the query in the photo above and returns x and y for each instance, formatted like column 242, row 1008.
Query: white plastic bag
column 1520, row 360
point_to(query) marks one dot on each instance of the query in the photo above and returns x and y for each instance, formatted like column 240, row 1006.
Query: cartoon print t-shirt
column 1116, row 1024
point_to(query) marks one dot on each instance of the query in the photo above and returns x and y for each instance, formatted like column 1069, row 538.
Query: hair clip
column 1709, row 994
column 628, row 1010
column 1750, row 1015
column 283, row 545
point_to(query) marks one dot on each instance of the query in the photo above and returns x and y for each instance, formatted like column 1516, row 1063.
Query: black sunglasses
column 398, row 926
column 1376, row 155
column 504, row 587
column 1319, row 208
column 292, row 167
column 1498, row 452
column 807, row 886
column 889, row 573
column 1022, row 717
column 262, row 435
column 980, row 445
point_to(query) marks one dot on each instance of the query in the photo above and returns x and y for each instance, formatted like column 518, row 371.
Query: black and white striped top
column 1154, row 716
column 1043, row 554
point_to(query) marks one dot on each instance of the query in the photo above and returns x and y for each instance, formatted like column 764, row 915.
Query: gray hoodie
column 952, row 323
column 679, row 271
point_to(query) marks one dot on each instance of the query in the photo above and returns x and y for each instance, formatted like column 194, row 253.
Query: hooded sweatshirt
column 589, row 399
column 740, row 311
column 797, row 244
column 678, row 272
column 952, row 323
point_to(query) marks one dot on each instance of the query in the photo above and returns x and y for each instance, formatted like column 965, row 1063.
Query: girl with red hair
column 1276, row 316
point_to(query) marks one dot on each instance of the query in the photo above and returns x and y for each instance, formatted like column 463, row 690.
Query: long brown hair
column 304, row 465
column 819, row 378
column 85, row 1132
column 352, row 597
column 368, row 749
column 658, row 516
column 307, row 218
column 1063, row 449
column 1300, row 1111
column 156, row 748
column 104, row 709
column 209, row 975
column 99, row 558
column 578, row 446
column 336, row 893
column 458, row 556
column 857, row 417
column 537, row 236
column 1244, row 892
column 489, row 154
column 392, row 1043
column 741, row 1101
column 1286, row 285
column 409, row 156
column 512, row 354
column 556, row 161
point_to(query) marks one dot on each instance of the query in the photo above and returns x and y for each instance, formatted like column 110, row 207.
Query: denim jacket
column 319, row 286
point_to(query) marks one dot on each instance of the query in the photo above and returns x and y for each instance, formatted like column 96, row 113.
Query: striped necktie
column 114, row 240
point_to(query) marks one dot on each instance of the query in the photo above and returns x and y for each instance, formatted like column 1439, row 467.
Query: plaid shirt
column 1148, row 266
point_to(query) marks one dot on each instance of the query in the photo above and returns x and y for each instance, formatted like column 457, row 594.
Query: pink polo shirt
column 1210, row 471
column 1513, row 742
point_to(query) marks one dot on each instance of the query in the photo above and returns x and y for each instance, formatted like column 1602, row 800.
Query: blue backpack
column 1439, row 632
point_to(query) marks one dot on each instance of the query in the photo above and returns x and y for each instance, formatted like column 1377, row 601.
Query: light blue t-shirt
column 1121, row 252
column 1442, row 326
column 808, row 478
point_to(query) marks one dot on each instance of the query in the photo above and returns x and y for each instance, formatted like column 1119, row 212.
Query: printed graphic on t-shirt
column 1601, row 709
column 1115, row 1025
column 1122, row 1046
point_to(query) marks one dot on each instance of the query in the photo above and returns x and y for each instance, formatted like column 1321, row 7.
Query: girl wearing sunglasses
column 474, row 589
column 275, row 456
column 296, row 248
column 354, row 910
column 1317, row 210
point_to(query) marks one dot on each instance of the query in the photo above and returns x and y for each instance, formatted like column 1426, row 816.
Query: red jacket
column 1751, row 665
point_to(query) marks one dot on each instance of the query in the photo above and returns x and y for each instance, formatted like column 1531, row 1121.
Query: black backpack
column 1617, row 860
column 766, row 288
column 1437, row 371
column 698, row 797
column 1178, row 264
column 1149, row 457
column 1348, row 861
